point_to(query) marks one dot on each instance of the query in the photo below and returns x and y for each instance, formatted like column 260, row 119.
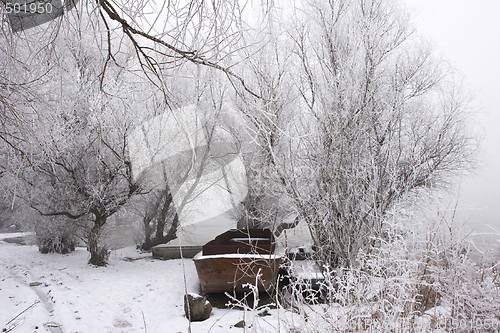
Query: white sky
column 467, row 33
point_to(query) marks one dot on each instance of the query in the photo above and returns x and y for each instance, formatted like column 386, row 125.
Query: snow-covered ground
column 134, row 293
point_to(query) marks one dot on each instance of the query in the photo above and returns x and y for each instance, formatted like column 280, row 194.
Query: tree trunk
column 98, row 254
column 162, row 209
column 163, row 239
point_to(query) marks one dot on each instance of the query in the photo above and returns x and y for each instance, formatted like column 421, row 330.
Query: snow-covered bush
column 419, row 277
column 469, row 290
column 55, row 234
column 9, row 216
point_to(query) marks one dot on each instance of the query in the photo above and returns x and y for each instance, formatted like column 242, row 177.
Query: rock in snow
column 196, row 307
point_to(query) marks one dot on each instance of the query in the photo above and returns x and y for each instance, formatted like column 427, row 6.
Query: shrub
column 55, row 234
column 420, row 275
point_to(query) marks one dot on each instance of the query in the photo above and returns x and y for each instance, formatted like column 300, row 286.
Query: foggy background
column 467, row 34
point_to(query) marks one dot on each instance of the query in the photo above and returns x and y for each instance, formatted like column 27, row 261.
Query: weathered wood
column 241, row 241
column 237, row 257
column 221, row 273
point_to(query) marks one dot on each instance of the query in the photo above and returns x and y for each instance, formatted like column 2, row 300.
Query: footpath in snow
column 134, row 293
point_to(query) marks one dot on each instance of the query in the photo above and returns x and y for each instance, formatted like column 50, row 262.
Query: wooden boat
column 166, row 251
column 238, row 257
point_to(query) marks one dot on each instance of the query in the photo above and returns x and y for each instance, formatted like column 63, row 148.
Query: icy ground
column 134, row 293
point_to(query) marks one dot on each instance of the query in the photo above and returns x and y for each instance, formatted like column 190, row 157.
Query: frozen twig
column 144, row 320
column 10, row 322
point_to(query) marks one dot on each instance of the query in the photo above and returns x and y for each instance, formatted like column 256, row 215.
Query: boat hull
column 166, row 251
column 230, row 272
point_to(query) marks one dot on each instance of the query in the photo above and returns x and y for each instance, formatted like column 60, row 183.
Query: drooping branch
column 191, row 56
column 63, row 213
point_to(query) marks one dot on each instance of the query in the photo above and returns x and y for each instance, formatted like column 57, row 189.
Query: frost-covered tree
column 162, row 36
column 90, row 91
column 382, row 119
column 71, row 139
column 264, row 118
column 199, row 149
column 355, row 116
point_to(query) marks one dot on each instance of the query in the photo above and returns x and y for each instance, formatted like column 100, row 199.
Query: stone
column 196, row 307
column 264, row 312
column 240, row 324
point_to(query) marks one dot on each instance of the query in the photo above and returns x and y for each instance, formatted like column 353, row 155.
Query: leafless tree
column 189, row 155
column 379, row 119
column 159, row 214
column 382, row 119
column 266, row 118
column 74, row 137
column 163, row 36
column 71, row 145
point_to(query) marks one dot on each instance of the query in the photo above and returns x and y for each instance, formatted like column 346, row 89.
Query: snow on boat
column 238, row 257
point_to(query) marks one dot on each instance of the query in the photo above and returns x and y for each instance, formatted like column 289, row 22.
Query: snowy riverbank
column 135, row 293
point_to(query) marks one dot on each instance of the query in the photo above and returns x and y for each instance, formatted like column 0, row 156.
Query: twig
column 144, row 320
column 29, row 307
column 216, row 321
column 185, row 287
